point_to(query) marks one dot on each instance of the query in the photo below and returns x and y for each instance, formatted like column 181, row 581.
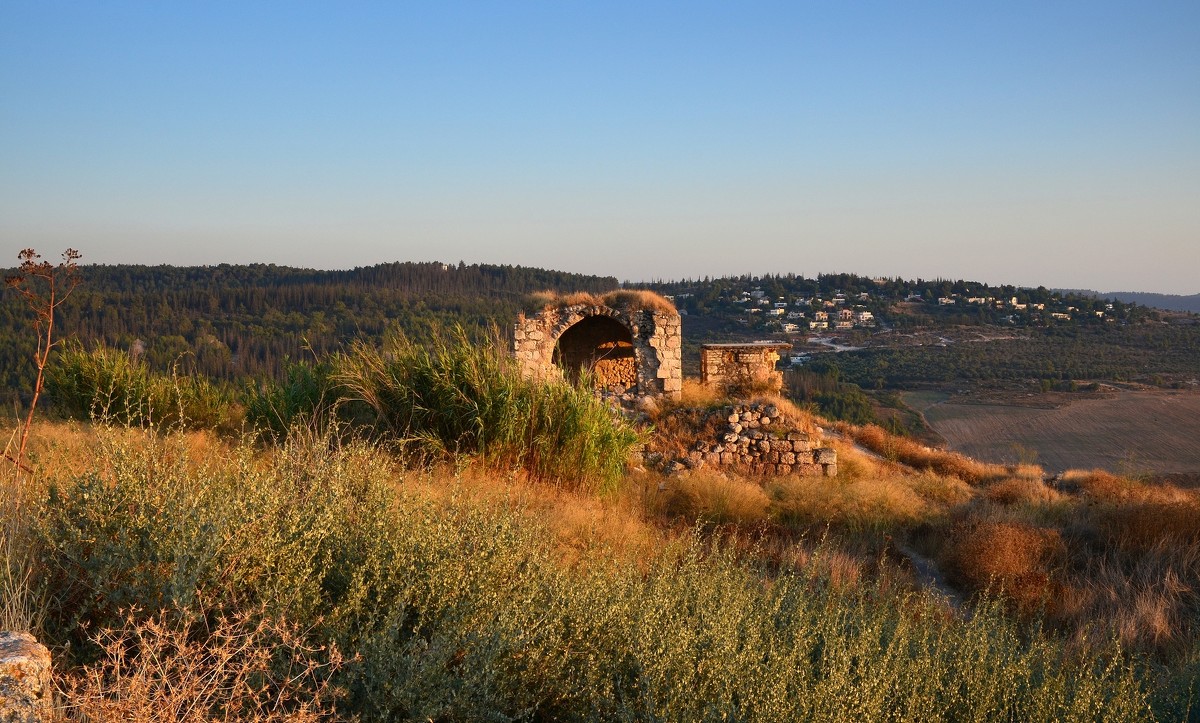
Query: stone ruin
column 756, row 438
column 629, row 352
column 742, row 366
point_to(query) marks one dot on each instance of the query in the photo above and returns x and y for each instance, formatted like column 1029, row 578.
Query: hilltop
column 427, row 534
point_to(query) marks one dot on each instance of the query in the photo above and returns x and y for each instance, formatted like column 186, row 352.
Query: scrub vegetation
column 416, row 532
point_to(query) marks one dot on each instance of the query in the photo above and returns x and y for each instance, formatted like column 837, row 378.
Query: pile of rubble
column 755, row 438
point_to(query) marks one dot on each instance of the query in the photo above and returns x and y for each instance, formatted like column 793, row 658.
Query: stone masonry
column 628, row 351
column 741, row 366
column 754, row 439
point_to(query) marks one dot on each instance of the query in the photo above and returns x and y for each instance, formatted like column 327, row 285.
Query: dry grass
column 918, row 456
column 1010, row 556
column 585, row 528
column 695, row 394
column 1146, row 525
column 239, row 670
column 714, row 496
column 633, row 299
column 1022, row 490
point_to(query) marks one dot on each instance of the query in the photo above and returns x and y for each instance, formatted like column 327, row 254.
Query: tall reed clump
column 108, row 385
column 451, row 396
column 307, row 397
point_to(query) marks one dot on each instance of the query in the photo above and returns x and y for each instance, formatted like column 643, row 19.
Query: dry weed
column 714, row 496
column 1021, row 490
column 238, row 670
column 1013, row 557
column 918, row 456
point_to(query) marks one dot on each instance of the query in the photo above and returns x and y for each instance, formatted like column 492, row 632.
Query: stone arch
column 562, row 340
column 601, row 346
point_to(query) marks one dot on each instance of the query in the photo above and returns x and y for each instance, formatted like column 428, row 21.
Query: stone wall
column 753, row 439
column 742, row 366
column 630, row 352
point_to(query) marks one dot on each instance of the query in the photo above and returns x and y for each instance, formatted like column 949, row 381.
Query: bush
column 107, row 385
column 307, row 397
column 455, row 397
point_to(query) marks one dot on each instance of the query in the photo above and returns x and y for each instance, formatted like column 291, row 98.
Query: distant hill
column 1169, row 302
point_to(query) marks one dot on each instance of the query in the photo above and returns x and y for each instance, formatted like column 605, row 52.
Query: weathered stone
column 729, row 437
column 787, row 458
column 830, row 470
column 26, row 692
column 764, row 420
column 764, row 445
column 734, row 418
column 772, row 457
column 784, row 468
column 825, row 455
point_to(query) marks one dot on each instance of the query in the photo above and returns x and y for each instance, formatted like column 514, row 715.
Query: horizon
column 1018, row 144
column 667, row 280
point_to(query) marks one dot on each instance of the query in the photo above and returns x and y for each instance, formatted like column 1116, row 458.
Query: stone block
column 787, row 458
column 825, row 455
column 26, row 690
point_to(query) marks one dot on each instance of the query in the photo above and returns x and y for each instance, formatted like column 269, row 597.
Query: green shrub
column 107, row 385
column 452, row 396
column 307, row 397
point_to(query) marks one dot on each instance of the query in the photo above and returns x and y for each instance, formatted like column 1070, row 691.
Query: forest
column 232, row 322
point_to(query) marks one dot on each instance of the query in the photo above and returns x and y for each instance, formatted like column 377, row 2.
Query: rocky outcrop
column 26, row 693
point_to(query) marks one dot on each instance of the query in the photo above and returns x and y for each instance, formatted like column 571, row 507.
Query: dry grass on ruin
column 633, row 299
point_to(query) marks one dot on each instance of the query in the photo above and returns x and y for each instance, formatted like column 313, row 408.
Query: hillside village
column 795, row 305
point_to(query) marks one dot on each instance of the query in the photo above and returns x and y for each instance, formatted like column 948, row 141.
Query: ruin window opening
column 603, row 347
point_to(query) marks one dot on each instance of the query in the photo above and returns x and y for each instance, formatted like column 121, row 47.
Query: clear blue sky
column 1036, row 143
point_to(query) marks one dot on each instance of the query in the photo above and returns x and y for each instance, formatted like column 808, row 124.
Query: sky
column 1033, row 143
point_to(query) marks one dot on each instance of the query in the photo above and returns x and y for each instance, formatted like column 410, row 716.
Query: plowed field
column 1129, row 432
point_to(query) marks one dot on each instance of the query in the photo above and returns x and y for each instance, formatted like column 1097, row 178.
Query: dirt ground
column 1124, row 431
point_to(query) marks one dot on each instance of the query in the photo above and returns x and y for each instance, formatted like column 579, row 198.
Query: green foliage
column 459, row 610
column 821, row 386
column 454, row 396
column 106, row 384
column 306, row 397
column 244, row 321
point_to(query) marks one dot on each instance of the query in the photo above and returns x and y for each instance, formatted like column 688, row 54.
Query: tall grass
column 460, row 611
column 106, row 384
column 451, row 396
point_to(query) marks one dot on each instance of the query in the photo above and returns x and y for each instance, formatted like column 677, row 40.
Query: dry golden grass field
column 1130, row 432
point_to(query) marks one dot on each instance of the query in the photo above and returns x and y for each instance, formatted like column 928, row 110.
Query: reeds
column 108, row 386
column 450, row 396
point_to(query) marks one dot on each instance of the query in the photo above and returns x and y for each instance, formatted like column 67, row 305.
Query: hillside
column 451, row 541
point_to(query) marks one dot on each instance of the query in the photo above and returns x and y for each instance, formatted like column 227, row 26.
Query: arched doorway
column 602, row 347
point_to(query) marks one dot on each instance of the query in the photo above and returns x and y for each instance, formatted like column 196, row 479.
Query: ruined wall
column 741, row 366
column 752, row 439
column 631, row 352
